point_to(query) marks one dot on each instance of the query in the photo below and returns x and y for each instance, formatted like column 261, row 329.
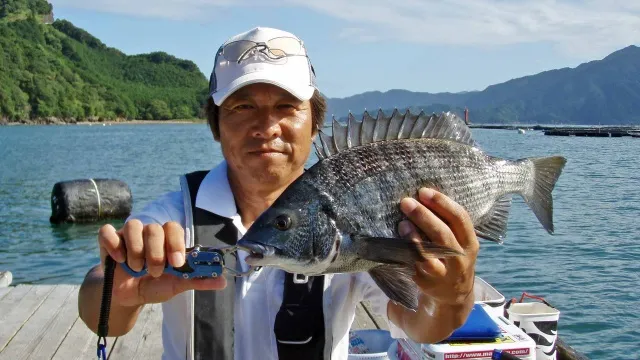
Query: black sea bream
column 342, row 214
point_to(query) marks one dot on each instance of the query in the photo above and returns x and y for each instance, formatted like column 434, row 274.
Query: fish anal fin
column 494, row 226
column 397, row 283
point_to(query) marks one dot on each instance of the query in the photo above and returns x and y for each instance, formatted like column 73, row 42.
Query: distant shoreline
column 111, row 122
column 327, row 125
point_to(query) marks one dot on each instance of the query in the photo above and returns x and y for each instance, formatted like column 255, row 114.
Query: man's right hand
column 156, row 245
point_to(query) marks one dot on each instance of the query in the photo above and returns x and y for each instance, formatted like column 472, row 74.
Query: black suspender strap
column 213, row 323
column 299, row 325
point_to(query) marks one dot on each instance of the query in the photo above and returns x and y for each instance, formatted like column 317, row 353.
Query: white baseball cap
column 262, row 55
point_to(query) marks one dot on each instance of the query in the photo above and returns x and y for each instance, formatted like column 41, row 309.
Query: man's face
column 265, row 133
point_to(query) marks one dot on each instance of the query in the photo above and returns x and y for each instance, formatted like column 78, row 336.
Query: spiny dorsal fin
column 354, row 127
column 394, row 124
column 339, row 135
column 382, row 124
column 367, row 129
column 397, row 126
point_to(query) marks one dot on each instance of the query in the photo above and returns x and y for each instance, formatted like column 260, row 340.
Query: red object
column 524, row 294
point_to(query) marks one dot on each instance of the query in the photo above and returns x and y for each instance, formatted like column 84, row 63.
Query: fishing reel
column 200, row 262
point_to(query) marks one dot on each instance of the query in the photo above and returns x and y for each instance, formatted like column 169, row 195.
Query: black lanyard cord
column 105, row 306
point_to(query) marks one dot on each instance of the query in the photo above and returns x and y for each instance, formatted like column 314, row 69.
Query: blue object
column 503, row 355
column 479, row 326
column 201, row 262
column 102, row 354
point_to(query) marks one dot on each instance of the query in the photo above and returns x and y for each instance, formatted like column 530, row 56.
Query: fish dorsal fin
column 446, row 126
column 366, row 129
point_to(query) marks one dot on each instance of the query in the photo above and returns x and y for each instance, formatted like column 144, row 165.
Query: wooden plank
column 5, row 290
column 151, row 345
column 41, row 335
column 130, row 345
column 17, row 307
column 12, row 299
column 80, row 342
column 380, row 322
column 362, row 319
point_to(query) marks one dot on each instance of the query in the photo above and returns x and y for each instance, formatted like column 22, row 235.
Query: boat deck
column 41, row 322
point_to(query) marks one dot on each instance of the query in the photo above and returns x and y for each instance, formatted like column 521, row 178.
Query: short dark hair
column 318, row 109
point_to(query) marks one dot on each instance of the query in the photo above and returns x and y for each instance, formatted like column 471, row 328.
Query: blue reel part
column 200, row 262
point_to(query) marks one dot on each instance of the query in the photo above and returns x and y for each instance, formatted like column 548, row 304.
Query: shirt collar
column 215, row 195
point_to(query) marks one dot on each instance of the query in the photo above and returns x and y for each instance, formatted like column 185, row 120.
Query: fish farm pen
column 589, row 131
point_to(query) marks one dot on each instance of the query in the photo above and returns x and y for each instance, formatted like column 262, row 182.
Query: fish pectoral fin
column 397, row 283
column 495, row 228
column 400, row 250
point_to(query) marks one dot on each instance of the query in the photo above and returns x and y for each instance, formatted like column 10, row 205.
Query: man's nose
column 267, row 125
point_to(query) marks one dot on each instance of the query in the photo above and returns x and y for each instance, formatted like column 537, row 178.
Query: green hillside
column 11, row 10
column 61, row 71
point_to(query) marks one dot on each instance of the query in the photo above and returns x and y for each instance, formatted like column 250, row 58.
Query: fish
column 342, row 214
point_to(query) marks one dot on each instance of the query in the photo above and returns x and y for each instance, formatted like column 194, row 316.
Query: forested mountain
column 60, row 71
column 52, row 71
column 603, row 91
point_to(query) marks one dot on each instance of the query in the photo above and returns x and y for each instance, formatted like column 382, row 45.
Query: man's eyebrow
column 240, row 95
column 288, row 96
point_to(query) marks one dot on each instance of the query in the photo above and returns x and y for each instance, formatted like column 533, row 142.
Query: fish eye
column 283, row 222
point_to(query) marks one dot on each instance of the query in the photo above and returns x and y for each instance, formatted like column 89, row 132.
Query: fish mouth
column 258, row 252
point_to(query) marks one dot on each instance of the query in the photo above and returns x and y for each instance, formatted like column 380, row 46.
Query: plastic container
column 540, row 322
column 370, row 344
column 512, row 340
column 487, row 294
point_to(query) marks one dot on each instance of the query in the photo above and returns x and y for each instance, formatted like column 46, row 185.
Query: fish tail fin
column 546, row 171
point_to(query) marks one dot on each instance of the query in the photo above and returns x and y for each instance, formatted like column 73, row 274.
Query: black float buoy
column 88, row 200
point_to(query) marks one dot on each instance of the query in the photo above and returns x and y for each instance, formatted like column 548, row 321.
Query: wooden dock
column 41, row 322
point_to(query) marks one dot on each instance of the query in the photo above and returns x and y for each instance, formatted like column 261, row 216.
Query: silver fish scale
column 373, row 178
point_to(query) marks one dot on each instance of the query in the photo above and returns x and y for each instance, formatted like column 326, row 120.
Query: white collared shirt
column 259, row 296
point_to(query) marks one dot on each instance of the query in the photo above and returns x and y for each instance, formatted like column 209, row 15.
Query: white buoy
column 520, row 131
column 5, row 278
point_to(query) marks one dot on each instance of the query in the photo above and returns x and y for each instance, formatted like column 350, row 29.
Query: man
column 265, row 111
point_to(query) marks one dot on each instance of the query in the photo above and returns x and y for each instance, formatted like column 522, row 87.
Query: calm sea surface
column 590, row 269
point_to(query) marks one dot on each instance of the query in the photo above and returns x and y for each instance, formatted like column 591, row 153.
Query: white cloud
column 573, row 26
column 166, row 9
column 588, row 27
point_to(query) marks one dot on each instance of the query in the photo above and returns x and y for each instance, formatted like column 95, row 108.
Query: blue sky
column 365, row 45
